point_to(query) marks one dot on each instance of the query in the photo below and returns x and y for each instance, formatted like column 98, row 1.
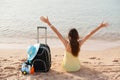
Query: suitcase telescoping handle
column 42, row 27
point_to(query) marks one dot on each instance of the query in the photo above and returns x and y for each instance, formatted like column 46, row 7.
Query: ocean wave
column 33, row 34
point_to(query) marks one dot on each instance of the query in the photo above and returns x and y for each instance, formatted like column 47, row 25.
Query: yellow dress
column 70, row 62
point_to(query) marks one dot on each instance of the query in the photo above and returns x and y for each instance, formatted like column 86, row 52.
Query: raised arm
column 92, row 32
column 46, row 20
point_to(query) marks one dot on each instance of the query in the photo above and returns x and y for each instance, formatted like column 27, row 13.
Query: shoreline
column 23, row 43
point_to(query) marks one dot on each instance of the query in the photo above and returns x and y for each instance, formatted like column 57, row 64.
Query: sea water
column 20, row 18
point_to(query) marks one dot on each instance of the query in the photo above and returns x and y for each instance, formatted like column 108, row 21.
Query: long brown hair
column 73, row 38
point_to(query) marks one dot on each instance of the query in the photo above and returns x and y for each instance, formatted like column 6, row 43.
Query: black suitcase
column 42, row 61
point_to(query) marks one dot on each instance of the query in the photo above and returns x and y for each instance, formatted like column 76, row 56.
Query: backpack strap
column 28, row 62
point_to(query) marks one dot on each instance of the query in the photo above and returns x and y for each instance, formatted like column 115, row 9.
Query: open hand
column 45, row 20
column 104, row 24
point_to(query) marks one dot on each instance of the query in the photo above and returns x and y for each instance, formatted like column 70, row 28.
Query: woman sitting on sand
column 72, row 46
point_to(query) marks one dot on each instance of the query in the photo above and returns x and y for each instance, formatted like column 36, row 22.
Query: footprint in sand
column 17, row 63
column 5, row 60
column 100, row 63
column 94, row 58
column 11, row 56
column 9, row 68
column 86, row 62
column 56, row 55
column 115, row 60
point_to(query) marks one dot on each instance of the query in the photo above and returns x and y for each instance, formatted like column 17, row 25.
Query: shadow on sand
column 85, row 73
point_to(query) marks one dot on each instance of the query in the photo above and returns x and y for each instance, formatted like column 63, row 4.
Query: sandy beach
column 99, row 56
column 97, row 63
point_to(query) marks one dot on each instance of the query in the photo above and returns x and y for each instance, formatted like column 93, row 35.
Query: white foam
column 20, row 43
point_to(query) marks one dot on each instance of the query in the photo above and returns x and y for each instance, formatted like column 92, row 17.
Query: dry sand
column 102, row 64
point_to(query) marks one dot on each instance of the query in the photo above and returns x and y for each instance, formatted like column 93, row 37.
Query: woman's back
column 70, row 62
